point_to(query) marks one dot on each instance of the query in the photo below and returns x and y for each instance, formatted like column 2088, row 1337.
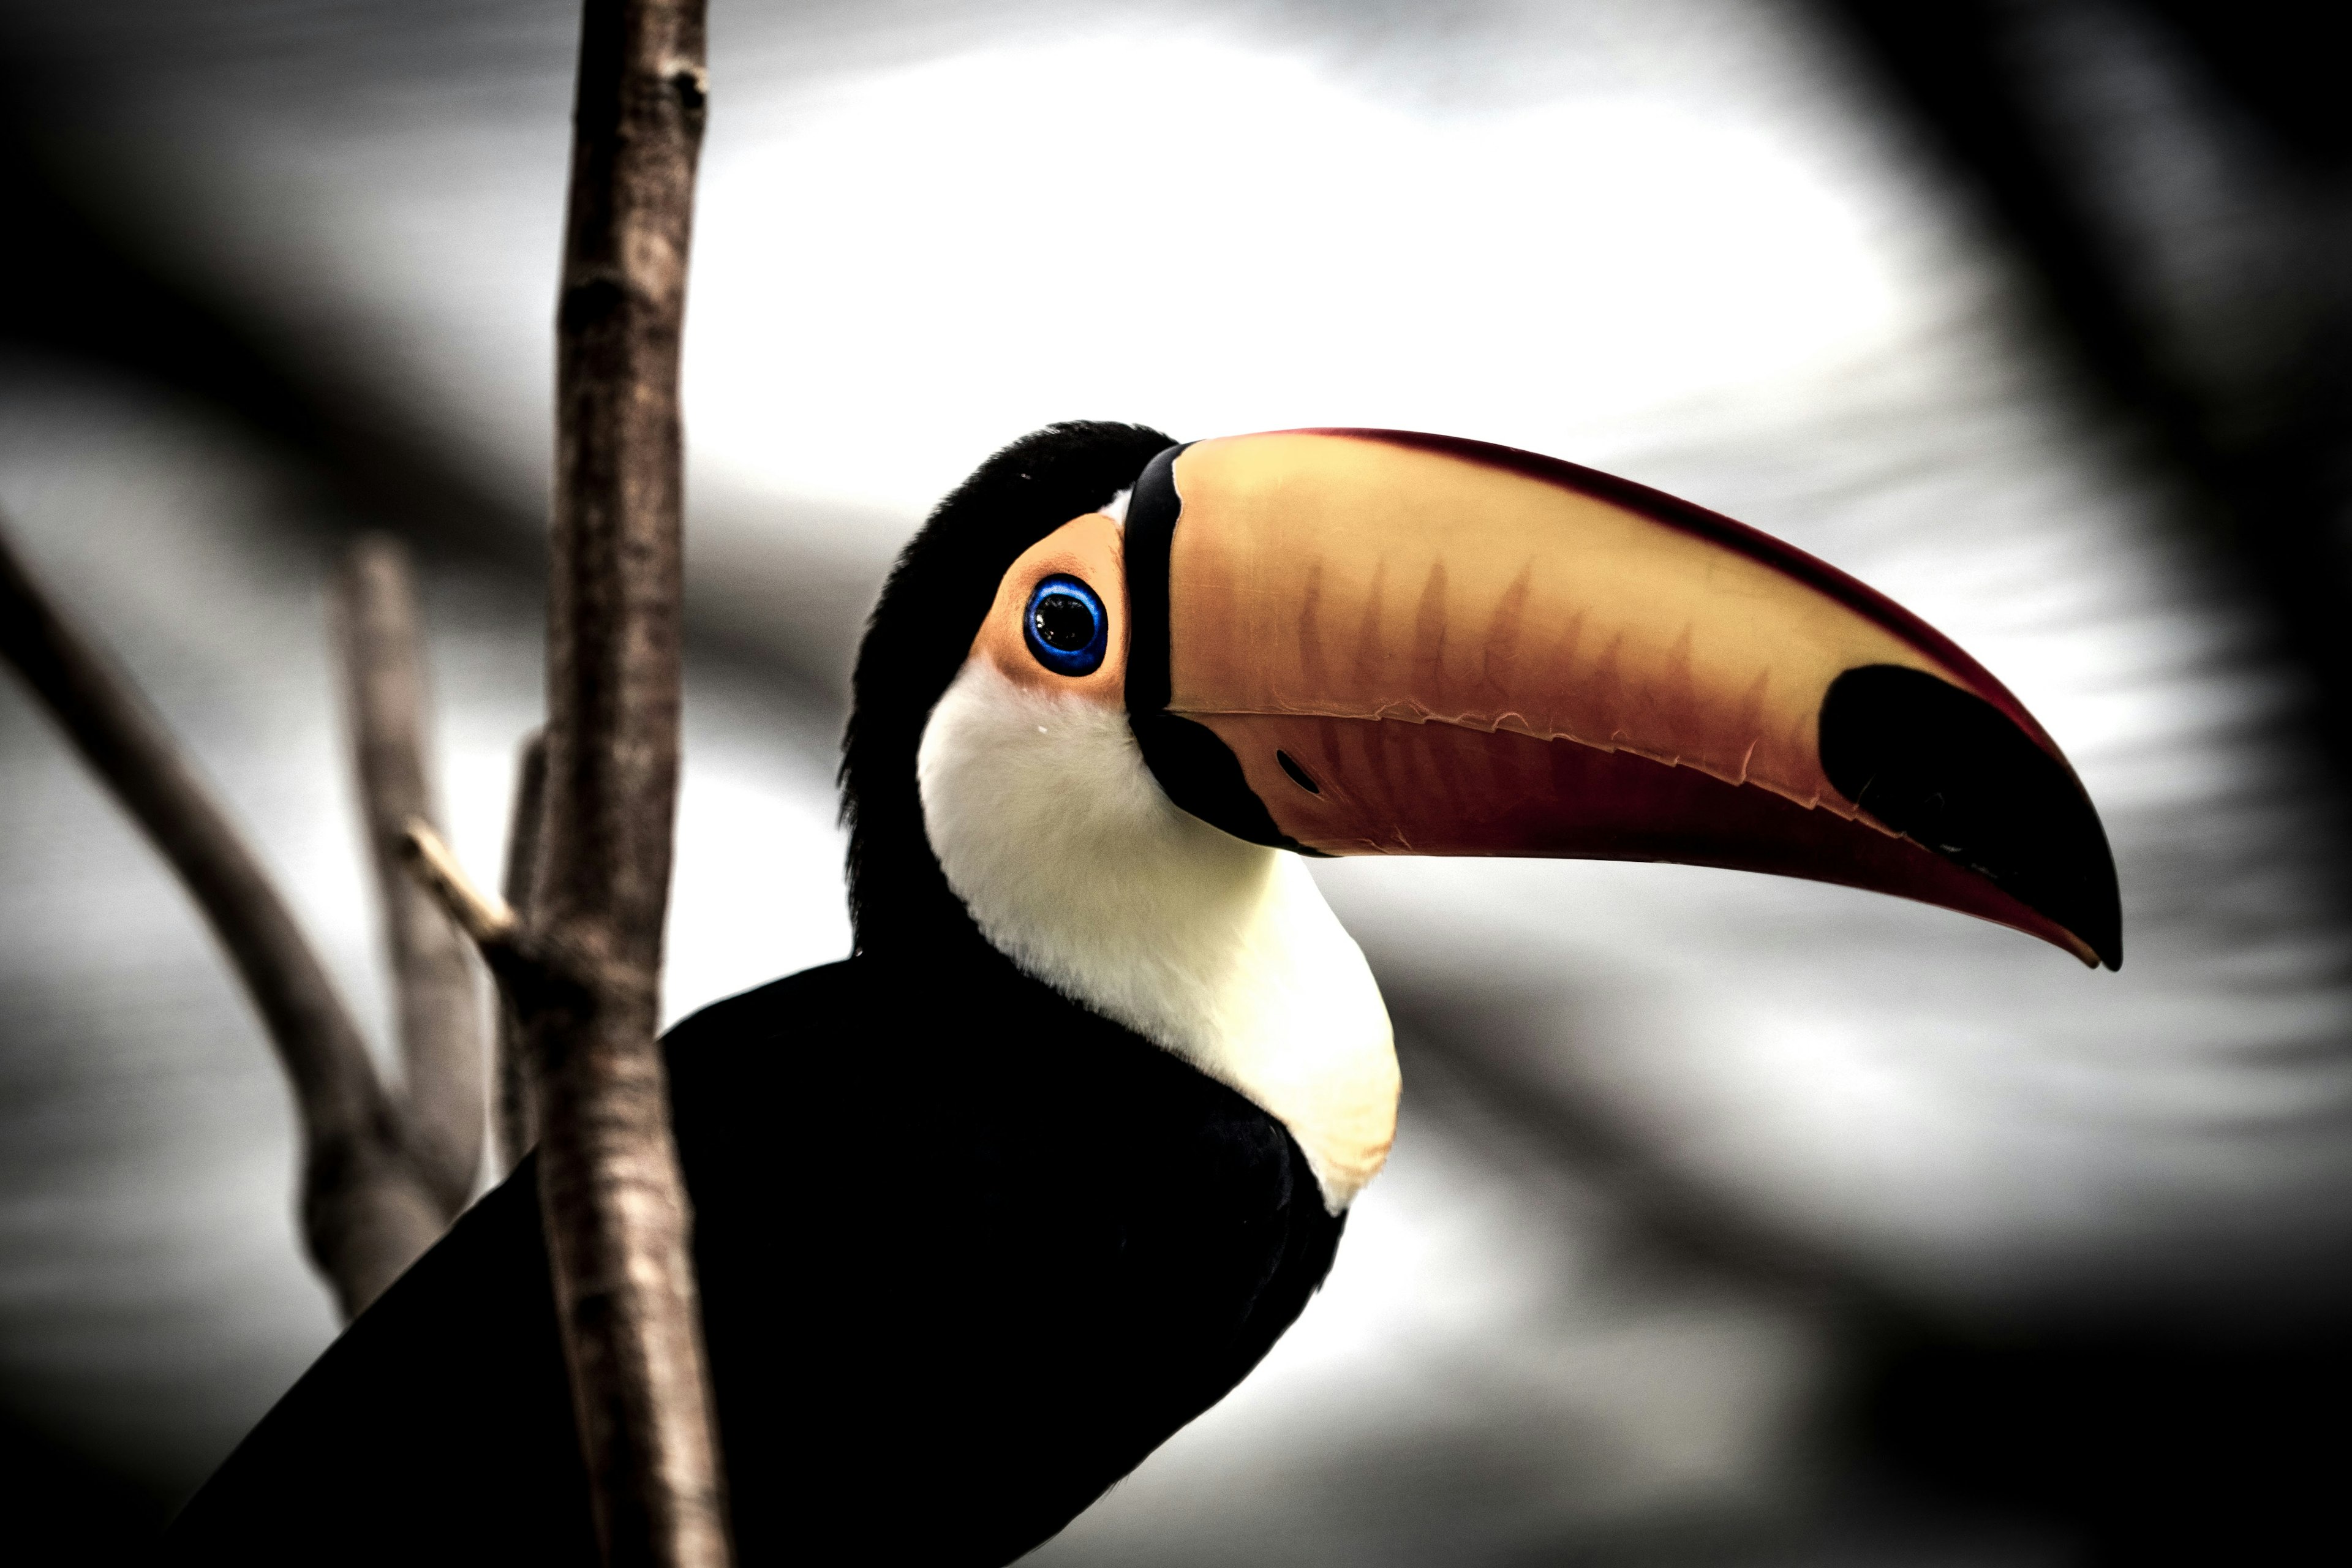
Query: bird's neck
column 1073, row 863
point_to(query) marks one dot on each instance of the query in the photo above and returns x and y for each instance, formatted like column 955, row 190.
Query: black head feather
column 917, row 638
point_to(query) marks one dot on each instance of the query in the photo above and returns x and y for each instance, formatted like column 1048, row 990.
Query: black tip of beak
column 1950, row 769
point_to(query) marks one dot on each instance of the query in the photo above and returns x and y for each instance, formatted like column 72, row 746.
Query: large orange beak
column 1371, row 642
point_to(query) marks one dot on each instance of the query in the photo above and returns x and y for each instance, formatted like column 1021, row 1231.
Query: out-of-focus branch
column 518, row 1128
column 584, row 974
column 440, row 1009
column 366, row 1211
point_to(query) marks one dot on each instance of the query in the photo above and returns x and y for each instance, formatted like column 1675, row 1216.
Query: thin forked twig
column 366, row 1211
column 440, row 1001
column 484, row 916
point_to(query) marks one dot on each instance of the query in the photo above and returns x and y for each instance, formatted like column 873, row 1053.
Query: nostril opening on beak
column 1299, row 775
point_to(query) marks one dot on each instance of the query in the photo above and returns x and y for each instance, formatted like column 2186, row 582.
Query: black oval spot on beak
column 1299, row 775
column 1948, row 769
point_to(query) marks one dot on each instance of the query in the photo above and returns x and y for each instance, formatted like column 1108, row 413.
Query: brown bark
column 614, row 1205
column 439, row 1002
column 366, row 1211
column 518, row 1128
column 582, row 971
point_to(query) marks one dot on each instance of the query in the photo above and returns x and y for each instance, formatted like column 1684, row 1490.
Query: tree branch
column 366, row 1213
column 440, row 1007
column 441, row 877
column 614, row 1202
column 517, row 1126
column 582, row 971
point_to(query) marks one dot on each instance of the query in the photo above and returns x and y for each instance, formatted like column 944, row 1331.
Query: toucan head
column 1117, row 687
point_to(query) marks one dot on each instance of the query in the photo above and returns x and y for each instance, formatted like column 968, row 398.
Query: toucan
column 988, row 1210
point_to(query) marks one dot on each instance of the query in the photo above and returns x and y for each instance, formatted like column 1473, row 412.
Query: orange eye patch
column 1059, row 619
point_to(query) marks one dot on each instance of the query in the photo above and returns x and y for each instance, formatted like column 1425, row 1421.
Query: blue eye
column 1067, row 627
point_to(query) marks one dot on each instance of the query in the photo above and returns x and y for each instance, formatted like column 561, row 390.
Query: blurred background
column 1731, row 1221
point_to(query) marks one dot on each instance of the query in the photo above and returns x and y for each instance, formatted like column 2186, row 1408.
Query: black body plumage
column 968, row 1250
column 967, row 1253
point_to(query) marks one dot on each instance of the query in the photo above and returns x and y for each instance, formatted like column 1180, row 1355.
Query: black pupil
column 1064, row 622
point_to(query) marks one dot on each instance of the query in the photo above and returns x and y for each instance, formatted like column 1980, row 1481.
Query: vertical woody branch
column 439, row 1004
column 582, row 964
column 366, row 1211
column 614, row 1205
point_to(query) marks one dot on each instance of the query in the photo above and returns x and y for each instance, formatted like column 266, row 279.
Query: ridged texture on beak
column 1413, row 645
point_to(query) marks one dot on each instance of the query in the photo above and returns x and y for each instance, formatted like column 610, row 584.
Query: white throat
column 1078, row 867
